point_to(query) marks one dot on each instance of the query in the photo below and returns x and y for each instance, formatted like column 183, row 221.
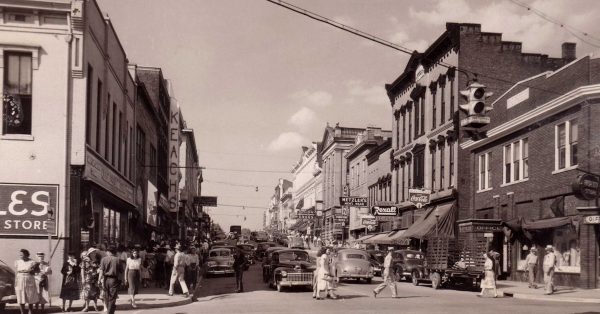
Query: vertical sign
column 174, row 156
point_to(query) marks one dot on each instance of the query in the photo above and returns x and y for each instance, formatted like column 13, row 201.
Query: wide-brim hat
column 390, row 248
column 549, row 248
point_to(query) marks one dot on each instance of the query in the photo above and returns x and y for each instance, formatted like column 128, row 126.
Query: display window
column 111, row 226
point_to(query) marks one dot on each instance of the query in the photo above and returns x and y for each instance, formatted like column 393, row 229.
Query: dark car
column 377, row 258
column 7, row 288
column 290, row 268
column 266, row 264
column 262, row 247
column 249, row 251
column 405, row 263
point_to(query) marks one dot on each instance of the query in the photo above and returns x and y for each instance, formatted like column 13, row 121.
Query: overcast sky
column 256, row 81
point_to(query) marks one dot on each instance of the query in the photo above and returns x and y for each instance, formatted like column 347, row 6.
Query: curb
column 120, row 307
column 553, row 298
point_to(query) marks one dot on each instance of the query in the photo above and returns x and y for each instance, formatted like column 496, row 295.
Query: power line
column 389, row 44
column 570, row 29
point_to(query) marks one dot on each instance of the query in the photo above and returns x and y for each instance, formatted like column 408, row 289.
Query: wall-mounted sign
column 353, row 201
column 483, row 226
column 100, row 173
column 174, row 141
column 419, row 73
column 339, row 218
column 587, row 186
column 592, row 220
column 369, row 221
column 210, row 201
column 28, row 209
column 418, row 197
column 384, row 211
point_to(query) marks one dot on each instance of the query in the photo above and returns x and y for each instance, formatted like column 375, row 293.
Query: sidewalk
column 519, row 290
column 149, row 298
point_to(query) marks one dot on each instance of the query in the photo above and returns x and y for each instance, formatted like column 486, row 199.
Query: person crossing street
column 178, row 272
column 388, row 276
column 239, row 264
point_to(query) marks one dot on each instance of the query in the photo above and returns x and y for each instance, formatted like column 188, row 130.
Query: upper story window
column 403, row 129
column 485, row 171
column 141, row 146
column 419, row 169
column 17, row 93
column 516, row 161
column 566, row 145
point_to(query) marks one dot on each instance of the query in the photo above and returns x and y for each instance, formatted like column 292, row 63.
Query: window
column 88, row 105
column 419, row 169
column 442, row 103
column 141, row 146
column 398, row 129
column 111, row 226
column 433, row 170
column 485, row 173
column 422, row 109
column 358, row 177
column 451, row 113
column 442, row 166
column 17, row 93
column 99, row 114
column 417, row 115
column 516, row 155
column 451, row 165
column 153, row 168
column 114, row 138
column 434, row 111
column 106, row 114
column 566, row 145
column 403, row 129
column 409, row 126
column 402, row 188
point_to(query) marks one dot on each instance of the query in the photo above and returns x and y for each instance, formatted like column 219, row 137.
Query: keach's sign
column 418, row 197
column 27, row 209
column 384, row 211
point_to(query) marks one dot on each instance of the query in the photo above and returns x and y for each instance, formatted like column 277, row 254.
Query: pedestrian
column 324, row 277
column 191, row 271
column 388, row 275
column 25, row 287
column 531, row 264
column 549, row 266
column 91, row 281
column 41, row 281
column 160, row 267
column 316, row 273
column 239, row 264
column 178, row 272
column 132, row 275
column 489, row 281
column 71, row 287
column 169, row 255
column 145, row 268
column 110, row 270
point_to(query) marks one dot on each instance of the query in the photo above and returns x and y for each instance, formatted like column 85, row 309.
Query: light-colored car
column 353, row 264
column 219, row 262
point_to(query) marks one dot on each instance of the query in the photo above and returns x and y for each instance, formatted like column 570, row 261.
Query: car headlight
column 283, row 273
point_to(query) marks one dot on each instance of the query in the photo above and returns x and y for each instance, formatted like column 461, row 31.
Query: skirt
column 25, row 289
column 70, row 289
column 133, row 280
column 91, row 291
column 488, row 282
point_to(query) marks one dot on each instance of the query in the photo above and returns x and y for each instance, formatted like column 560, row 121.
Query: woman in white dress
column 25, row 287
column 488, row 284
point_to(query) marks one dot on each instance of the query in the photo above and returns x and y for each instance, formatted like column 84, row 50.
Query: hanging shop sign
column 587, row 186
column 369, row 221
column 174, row 142
column 28, row 209
column 353, row 201
column 419, row 197
column 210, row 201
column 384, row 211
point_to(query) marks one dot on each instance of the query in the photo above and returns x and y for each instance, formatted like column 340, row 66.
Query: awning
column 426, row 225
column 547, row 223
column 380, row 238
column 392, row 237
column 363, row 238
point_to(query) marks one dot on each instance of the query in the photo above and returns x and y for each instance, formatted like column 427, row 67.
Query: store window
column 111, row 227
column 485, row 173
column 566, row 248
column 17, row 93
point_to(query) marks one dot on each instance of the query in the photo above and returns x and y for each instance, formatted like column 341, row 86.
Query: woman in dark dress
column 71, row 287
column 91, row 285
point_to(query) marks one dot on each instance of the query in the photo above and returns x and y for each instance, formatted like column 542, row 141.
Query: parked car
column 219, row 262
column 7, row 288
column 266, row 264
column 377, row 258
column 405, row 263
column 290, row 268
column 353, row 264
column 249, row 251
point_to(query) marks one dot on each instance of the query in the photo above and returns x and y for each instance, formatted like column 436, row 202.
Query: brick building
column 426, row 128
column 543, row 134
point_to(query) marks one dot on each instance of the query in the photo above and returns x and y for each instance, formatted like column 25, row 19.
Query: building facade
column 426, row 116
column 541, row 139
column 305, row 197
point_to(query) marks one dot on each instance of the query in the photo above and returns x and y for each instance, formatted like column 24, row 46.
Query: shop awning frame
column 380, row 238
column 426, row 225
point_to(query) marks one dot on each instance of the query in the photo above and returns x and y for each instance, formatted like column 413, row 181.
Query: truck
column 453, row 261
column 237, row 229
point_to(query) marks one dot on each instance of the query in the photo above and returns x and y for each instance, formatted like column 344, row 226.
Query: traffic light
column 475, row 108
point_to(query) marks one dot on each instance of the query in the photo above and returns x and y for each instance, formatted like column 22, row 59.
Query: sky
column 256, row 81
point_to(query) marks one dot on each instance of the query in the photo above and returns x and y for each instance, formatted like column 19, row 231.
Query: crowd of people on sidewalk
column 101, row 272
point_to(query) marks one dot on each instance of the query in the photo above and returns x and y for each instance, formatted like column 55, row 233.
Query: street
column 217, row 296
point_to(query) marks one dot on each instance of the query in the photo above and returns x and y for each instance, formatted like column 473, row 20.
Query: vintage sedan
column 262, row 247
column 7, row 288
column 219, row 262
column 266, row 264
column 353, row 264
column 408, row 263
column 290, row 268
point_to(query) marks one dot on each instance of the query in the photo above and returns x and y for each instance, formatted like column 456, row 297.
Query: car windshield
column 219, row 253
column 293, row 256
column 414, row 256
column 356, row 256
column 246, row 247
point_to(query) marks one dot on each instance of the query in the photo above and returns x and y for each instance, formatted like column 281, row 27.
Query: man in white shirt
column 178, row 272
column 531, row 266
column 388, row 275
column 549, row 268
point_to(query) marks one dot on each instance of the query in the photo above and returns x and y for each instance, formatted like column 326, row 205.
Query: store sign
column 470, row 227
column 27, row 209
column 418, row 197
column 591, row 220
column 419, row 73
column 587, row 186
column 369, row 221
column 384, row 211
column 307, row 214
column 100, row 173
column 174, row 141
column 339, row 218
column 210, row 201
column 353, row 201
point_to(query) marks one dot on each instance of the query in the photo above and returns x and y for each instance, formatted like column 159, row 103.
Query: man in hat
column 549, row 267
column 531, row 266
column 178, row 272
column 388, row 275
column 239, row 265
column 41, row 281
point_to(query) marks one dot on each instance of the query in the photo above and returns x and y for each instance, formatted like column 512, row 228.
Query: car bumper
column 288, row 283
column 356, row 275
column 218, row 271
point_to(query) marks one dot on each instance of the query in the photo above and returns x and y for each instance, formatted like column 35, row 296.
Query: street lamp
column 437, row 222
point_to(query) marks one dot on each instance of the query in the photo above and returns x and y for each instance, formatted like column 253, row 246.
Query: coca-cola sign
column 384, row 211
column 418, row 197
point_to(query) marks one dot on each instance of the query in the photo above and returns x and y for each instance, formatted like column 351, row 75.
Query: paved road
column 218, row 296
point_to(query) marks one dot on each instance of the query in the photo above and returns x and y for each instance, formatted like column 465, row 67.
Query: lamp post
column 437, row 222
